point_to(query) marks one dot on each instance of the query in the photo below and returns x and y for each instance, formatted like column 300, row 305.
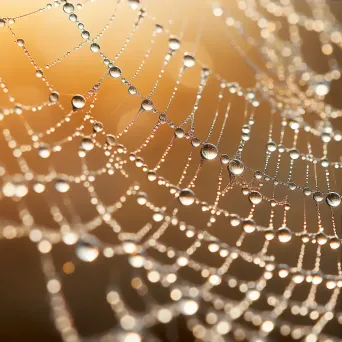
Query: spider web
column 213, row 203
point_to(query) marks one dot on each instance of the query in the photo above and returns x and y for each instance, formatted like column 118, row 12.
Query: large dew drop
column 284, row 234
column 87, row 248
column 236, row 167
column 333, row 199
column 62, row 185
column 87, row 144
column 209, row 151
column 186, row 197
column 78, row 101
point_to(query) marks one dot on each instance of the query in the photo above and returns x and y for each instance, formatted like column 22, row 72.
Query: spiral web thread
column 198, row 277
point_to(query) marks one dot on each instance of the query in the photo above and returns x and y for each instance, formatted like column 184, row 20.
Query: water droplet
column 98, row 127
column 188, row 307
column 68, row 8
column 271, row 146
column 189, row 60
column 283, row 270
column 224, row 159
column 39, row 73
column 73, row 17
column 62, row 185
column 235, row 220
column 333, row 199
column 298, row 277
column 179, row 132
column 132, row 90
column 44, row 151
column 321, row 238
column 318, row 196
column 20, row 42
column 54, row 97
column 87, row 248
column 129, row 247
column 186, row 197
column 110, row 140
column 151, row 176
column 2, row 22
column 159, row 28
column 209, row 151
column 284, row 234
column 158, row 216
column 38, row 188
column 142, row 198
column 87, row 143
column 334, row 243
column 134, row 4
column 115, row 72
column 78, row 101
column 195, row 142
column 317, row 277
column 255, row 197
column 307, row 191
column 248, row 225
column 147, row 105
column 174, row 43
column 294, row 153
column 85, row 35
column 94, row 47
column 236, row 167
column 321, row 88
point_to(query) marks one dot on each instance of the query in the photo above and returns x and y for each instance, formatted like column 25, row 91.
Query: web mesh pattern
column 214, row 203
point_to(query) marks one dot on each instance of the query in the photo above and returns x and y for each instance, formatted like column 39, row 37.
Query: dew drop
column 255, row 197
column 78, row 101
column 115, row 72
column 20, row 42
column 294, row 153
column 318, row 196
column 142, row 198
column 179, row 132
column 54, row 97
column 134, row 4
column 44, row 151
column 321, row 238
column 110, row 139
column 147, row 105
column 174, row 43
column 189, row 60
column 94, row 47
column 39, row 73
column 321, row 88
column 236, row 167
column 62, row 185
column 209, row 151
column 235, row 220
column 284, row 234
column 195, row 142
column 271, row 146
column 132, row 90
column 87, row 248
column 85, row 35
column 87, row 143
column 334, row 243
column 248, row 225
column 186, row 197
column 68, row 8
column 333, row 199
column 98, row 127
